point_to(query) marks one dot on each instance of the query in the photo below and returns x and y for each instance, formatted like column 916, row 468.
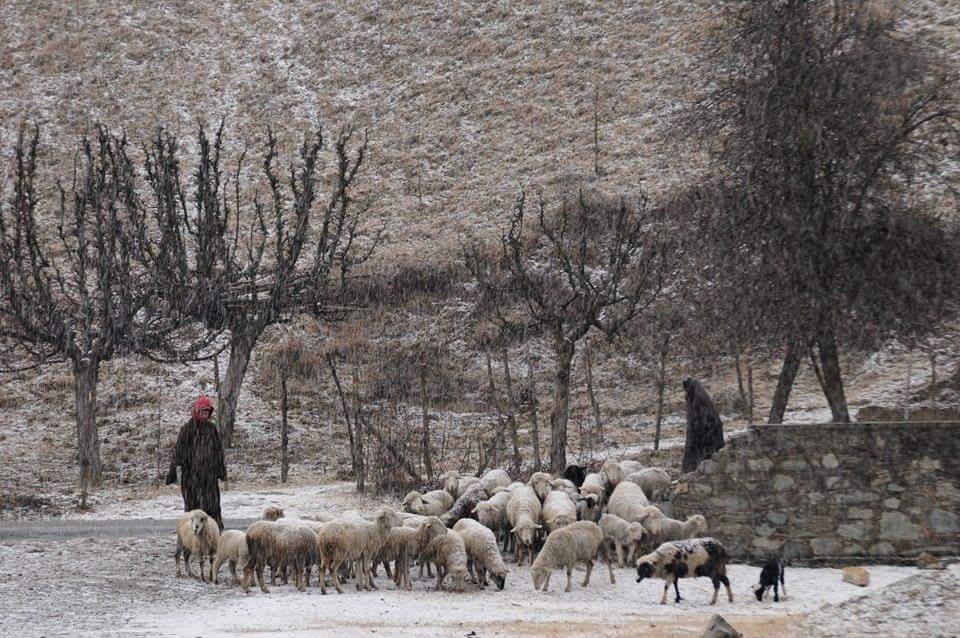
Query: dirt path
column 59, row 529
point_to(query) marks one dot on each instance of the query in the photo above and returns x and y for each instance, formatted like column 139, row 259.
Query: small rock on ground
column 856, row 576
column 720, row 628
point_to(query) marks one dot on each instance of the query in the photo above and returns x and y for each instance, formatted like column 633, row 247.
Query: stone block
column 759, row 465
column 882, row 549
column 777, row 518
column 892, row 503
column 858, row 576
column 854, row 531
column 825, row 546
column 927, row 560
column 830, row 461
column 860, row 513
column 897, row 526
column 782, row 482
column 943, row 522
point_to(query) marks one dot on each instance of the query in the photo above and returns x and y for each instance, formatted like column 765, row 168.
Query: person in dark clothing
column 704, row 428
column 199, row 454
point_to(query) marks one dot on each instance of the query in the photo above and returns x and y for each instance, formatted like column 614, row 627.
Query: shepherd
column 200, row 457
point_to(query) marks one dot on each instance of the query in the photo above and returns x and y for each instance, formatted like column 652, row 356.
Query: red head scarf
column 202, row 403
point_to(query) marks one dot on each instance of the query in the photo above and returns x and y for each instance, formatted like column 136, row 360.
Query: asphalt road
column 61, row 528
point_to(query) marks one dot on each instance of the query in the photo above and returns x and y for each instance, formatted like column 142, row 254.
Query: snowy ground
column 122, row 586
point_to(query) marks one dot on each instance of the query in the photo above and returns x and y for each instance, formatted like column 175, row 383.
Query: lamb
column 494, row 479
column 575, row 474
column 588, row 508
column 567, row 487
column 523, row 512
column 353, row 541
column 687, row 558
column 232, row 548
column 771, row 572
column 630, row 503
column 542, row 483
column 456, row 485
column 271, row 513
column 198, row 534
column 652, row 480
column 593, row 485
column 264, row 547
column 558, row 511
column 449, row 553
column 465, row 505
column 299, row 551
column 483, row 555
column 492, row 513
column 618, row 533
column 580, row 542
column 663, row 529
column 432, row 503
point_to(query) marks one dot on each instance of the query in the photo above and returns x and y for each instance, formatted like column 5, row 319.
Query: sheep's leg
column 613, row 580
column 716, row 588
column 233, row 571
column 473, row 579
column 186, row 561
column 247, row 577
column 783, row 586
column 176, row 559
column 336, row 578
column 546, row 581
column 441, row 574
column 263, row 588
column 386, row 568
column 569, row 578
column 323, row 576
column 586, row 578
column 676, row 587
column 726, row 583
column 630, row 550
column 666, row 588
column 776, row 592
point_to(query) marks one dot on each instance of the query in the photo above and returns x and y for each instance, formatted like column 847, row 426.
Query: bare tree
column 823, row 125
column 84, row 283
column 590, row 263
column 253, row 261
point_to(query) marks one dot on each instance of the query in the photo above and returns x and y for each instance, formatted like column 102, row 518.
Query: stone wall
column 831, row 493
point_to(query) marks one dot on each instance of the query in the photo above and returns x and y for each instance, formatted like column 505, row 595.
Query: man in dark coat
column 704, row 428
column 200, row 457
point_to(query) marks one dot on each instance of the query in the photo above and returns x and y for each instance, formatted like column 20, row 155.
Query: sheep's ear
column 538, row 527
column 513, row 531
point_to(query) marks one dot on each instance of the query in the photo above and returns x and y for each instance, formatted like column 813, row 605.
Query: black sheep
column 772, row 572
column 575, row 474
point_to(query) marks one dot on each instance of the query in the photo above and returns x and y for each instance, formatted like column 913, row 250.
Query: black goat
column 576, row 474
column 771, row 573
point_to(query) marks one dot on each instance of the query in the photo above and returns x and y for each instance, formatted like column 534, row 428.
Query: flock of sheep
column 467, row 528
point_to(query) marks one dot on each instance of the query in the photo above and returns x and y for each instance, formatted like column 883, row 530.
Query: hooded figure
column 704, row 428
column 200, row 457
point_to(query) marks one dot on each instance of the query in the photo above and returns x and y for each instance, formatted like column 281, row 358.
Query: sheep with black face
column 771, row 572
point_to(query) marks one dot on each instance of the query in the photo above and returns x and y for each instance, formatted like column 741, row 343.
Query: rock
column 943, row 522
column 720, row 628
column 830, row 461
column 927, row 560
column 858, row 576
column 782, row 482
column 897, row 526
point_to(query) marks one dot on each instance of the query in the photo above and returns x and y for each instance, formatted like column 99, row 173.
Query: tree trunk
column 740, row 388
column 534, row 423
column 750, row 389
column 791, row 363
column 355, row 459
column 832, row 379
column 906, row 390
column 588, row 356
column 86, row 372
column 661, row 387
column 564, row 349
column 241, row 347
column 284, row 429
column 359, row 432
column 427, row 459
column 512, row 416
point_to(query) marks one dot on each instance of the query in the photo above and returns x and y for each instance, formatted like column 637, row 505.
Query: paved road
column 60, row 528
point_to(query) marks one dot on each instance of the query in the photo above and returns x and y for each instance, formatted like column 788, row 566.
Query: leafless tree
column 823, row 127
column 82, row 277
column 256, row 262
column 588, row 263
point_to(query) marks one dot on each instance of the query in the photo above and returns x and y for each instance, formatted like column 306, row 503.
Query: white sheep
column 618, row 533
column 630, row 503
column 495, row 478
column 578, row 543
column 404, row 544
column 456, row 485
column 566, row 486
column 483, row 555
column 492, row 513
column 593, row 485
column 652, row 480
column 264, row 547
column 558, row 510
column 686, row 559
column 299, row 551
column 342, row 541
column 663, row 529
column 432, row 503
column 613, row 473
column 523, row 513
column 542, row 483
column 231, row 548
column 198, row 534
column 449, row 553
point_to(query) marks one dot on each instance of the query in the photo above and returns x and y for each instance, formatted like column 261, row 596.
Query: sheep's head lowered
column 645, row 568
column 387, row 518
